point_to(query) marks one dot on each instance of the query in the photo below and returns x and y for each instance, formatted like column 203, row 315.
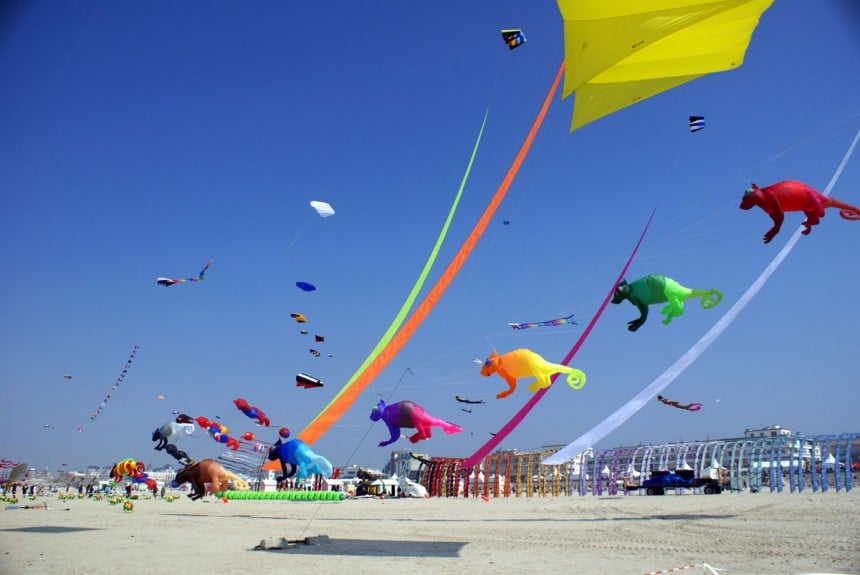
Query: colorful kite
column 319, row 338
column 323, row 208
column 252, row 412
column 303, row 331
column 549, row 323
column 218, row 432
column 305, row 286
column 622, row 52
column 68, row 376
column 470, row 401
column 409, row 414
column 116, row 384
column 301, row 457
column 315, row 352
column 300, row 318
column 526, row 363
column 132, row 469
column 396, row 336
column 307, row 381
column 697, row 123
column 513, row 38
column 613, row 421
column 688, row 407
column 518, row 417
column 167, row 282
column 655, row 288
column 792, row 196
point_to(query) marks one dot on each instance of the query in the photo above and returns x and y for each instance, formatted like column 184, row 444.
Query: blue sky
column 140, row 141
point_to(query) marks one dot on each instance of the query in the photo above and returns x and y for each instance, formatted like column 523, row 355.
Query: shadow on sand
column 378, row 548
column 51, row 529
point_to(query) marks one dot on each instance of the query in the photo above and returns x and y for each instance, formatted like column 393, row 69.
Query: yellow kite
column 620, row 52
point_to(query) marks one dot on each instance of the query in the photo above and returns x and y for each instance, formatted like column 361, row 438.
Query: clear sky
column 141, row 140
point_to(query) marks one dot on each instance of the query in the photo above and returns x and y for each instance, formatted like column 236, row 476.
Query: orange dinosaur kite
column 526, row 363
column 792, row 196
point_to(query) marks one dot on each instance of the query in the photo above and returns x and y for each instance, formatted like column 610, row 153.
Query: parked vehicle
column 660, row 481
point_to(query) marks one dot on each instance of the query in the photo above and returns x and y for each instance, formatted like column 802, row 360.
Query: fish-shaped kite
column 167, row 282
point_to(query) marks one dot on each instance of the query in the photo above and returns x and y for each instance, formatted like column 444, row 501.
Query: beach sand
column 743, row 533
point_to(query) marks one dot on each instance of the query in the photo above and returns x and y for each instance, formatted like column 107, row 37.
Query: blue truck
column 660, row 481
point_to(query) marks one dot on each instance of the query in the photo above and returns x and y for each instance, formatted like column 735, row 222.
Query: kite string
column 354, row 451
column 626, row 411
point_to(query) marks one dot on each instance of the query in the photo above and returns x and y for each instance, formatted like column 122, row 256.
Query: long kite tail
column 338, row 405
column 203, row 271
column 538, row 395
column 362, row 378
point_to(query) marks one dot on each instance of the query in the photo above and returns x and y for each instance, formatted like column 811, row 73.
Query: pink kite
column 409, row 414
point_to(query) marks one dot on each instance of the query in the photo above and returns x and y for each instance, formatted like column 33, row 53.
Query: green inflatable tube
column 284, row 495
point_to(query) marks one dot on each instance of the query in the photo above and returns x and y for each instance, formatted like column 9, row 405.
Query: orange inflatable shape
column 526, row 363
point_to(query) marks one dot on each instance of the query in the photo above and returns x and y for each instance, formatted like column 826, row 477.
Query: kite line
column 538, row 395
column 626, row 411
column 116, row 384
column 347, row 396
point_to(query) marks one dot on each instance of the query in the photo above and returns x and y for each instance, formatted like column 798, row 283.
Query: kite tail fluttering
column 167, row 282
column 395, row 342
column 534, row 399
column 626, row 411
column 353, row 387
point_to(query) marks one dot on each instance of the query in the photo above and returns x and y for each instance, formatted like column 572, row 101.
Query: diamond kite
column 323, row 208
column 622, row 52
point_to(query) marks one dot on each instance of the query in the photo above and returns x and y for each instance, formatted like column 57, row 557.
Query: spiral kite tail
column 575, row 378
column 189, row 428
column 711, row 298
column 139, row 467
column 846, row 211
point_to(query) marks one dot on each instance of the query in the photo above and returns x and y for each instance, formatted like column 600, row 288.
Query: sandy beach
column 742, row 533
